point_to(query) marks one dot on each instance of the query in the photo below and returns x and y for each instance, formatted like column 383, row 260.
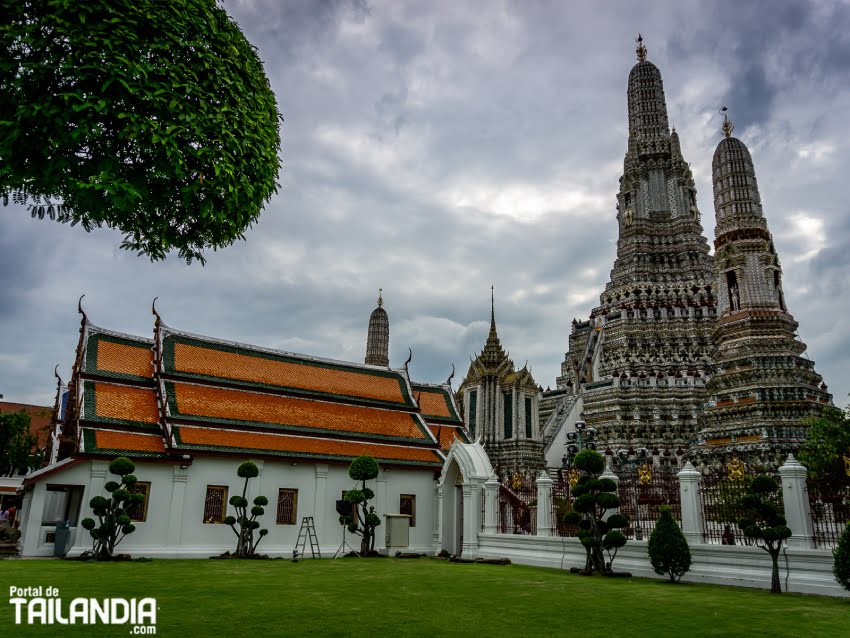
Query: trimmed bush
column 763, row 524
column 668, row 549
column 113, row 524
column 363, row 519
column 841, row 566
column 242, row 524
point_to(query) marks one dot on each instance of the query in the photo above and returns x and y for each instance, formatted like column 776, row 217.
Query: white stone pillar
column 471, row 519
column 692, row 521
column 609, row 474
column 491, row 505
column 544, row 504
column 178, row 505
column 438, row 517
column 321, row 504
column 795, row 496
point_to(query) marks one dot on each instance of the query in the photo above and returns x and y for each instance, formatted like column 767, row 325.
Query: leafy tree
column 155, row 118
column 841, row 553
column 113, row 523
column 668, row 548
column 828, row 440
column 594, row 496
column 17, row 444
column 363, row 519
column 242, row 524
column 762, row 522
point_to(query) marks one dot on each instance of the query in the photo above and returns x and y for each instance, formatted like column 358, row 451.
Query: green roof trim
column 175, row 413
column 90, row 409
column 90, row 447
column 438, row 462
column 92, row 343
column 170, row 340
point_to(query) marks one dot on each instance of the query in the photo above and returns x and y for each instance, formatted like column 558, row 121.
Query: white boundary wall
column 806, row 570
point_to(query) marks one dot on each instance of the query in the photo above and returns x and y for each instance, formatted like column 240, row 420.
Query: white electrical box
column 398, row 531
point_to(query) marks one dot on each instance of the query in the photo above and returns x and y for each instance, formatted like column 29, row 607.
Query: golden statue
column 573, row 477
column 516, row 481
column 645, row 474
column 735, row 469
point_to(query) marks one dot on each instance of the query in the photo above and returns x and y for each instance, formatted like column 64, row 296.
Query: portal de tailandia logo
column 44, row 606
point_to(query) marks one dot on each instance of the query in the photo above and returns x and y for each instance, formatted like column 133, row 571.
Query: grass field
column 425, row 597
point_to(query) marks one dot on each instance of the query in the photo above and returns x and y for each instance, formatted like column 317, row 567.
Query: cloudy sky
column 434, row 149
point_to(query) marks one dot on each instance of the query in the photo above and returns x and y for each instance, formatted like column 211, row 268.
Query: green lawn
column 425, row 597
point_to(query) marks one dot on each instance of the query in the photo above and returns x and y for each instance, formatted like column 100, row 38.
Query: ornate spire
column 728, row 127
column 641, row 50
column 378, row 337
column 493, row 354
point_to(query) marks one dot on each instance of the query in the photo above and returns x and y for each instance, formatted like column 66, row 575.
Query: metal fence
column 562, row 505
column 830, row 507
column 643, row 491
column 517, row 505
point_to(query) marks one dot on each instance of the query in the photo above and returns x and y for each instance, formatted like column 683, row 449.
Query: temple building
column 501, row 407
column 636, row 369
column 762, row 389
column 686, row 353
column 188, row 409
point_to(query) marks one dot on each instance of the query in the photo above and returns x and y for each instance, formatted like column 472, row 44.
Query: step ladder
column 307, row 531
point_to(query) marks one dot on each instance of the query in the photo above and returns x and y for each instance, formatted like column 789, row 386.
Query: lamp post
column 584, row 438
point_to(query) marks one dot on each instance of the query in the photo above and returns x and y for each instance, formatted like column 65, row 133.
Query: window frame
column 412, row 500
column 225, row 490
column 294, row 511
column 133, row 489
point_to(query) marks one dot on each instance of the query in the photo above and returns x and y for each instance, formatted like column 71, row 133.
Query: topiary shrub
column 363, row 519
column 113, row 523
column 841, row 554
column 668, row 548
column 594, row 497
column 763, row 524
column 242, row 524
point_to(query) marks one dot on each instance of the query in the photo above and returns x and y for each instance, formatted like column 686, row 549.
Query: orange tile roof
column 434, row 402
column 122, row 403
column 220, row 404
column 447, row 435
column 268, row 370
column 123, row 358
column 129, row 441
column 296, row 445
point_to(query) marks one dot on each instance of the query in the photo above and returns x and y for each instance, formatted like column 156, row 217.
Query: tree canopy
column 827, row 442
column 17, row 444
column 153, row 118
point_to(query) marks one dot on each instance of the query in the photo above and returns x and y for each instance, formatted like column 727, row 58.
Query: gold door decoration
column 645, row 474
column 516, row 481
column 735, row 470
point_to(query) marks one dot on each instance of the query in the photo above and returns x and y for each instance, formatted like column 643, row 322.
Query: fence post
column 692, row 520
column 795, row 497
column 610, row 475
column 491, row 505
column 544, row 504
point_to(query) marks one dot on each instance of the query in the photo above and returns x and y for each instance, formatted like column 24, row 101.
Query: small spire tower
column 378, row 338
column 763, row 390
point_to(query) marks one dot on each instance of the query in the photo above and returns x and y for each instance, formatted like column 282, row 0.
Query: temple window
column 215, row 504
column 407, row 505
column 62, row 503
column 777, row 285
column 287, row 506
column 473, row 411
column 732, row 286
column 139, row 512
column 528, row 424
column 508, row 405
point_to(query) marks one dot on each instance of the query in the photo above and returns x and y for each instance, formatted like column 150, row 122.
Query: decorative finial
column 80, row 308
column 492, row 308
column 380, row 297
column 56, row 373
column 451, row 376
column 154, row 312
column 641, row 50
column 728, row 127
column 409, row 357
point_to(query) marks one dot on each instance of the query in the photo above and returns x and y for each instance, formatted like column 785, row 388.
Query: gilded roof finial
column 492, row 309
column 728, row 127
column 641, row 50
column 380, row 297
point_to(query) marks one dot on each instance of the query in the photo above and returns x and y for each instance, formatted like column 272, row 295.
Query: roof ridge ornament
column 155, row 313
column 409, row 357
column 451, row 376
column 80, row 308
column 380, row 297
column 728, row 127
column 640, row 50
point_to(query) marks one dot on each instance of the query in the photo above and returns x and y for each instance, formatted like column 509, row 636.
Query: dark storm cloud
column 436, row 149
